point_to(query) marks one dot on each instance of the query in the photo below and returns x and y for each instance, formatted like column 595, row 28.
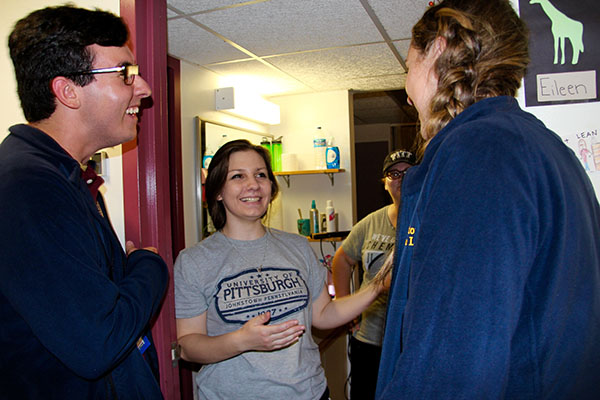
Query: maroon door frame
column 186, row 384
column 146, row 188
column 175, row 160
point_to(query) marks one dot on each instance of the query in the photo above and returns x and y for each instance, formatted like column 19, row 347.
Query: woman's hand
column 198, row 347
column 256, row 335
column 130, row 248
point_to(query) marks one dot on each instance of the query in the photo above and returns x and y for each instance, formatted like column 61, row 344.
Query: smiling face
column 247, row 191
column 109, row 105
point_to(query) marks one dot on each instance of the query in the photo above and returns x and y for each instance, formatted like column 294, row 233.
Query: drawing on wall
column 565, row 51
column 586, row 145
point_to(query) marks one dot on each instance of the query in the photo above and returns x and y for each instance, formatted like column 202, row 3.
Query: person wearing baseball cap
column 371, row 240
column 398, row 156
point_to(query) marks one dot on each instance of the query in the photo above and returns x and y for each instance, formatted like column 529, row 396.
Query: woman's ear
column 66, row 92
column 438, row 47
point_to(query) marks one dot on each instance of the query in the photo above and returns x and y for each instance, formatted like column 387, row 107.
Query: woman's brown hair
column 486, row 55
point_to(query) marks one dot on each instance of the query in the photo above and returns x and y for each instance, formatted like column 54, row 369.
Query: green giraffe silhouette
column 563, row 27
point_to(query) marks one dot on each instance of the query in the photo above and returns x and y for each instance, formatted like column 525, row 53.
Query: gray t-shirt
column 219, row 276
column 372, row 240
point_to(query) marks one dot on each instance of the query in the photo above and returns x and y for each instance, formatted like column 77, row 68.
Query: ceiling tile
column 271, row 81
column 192, row 6
column 285, row 26
column 189, row 42
column 371, row 83
column 402, row 47
column 314, row 68
column 398, row 17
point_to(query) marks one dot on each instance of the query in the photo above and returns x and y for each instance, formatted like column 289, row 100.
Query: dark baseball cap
column 398, row 156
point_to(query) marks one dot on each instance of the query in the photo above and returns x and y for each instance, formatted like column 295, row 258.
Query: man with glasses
column 371, row 241
column 75, row 308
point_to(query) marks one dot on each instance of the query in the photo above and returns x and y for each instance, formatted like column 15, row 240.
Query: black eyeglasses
column 128, row 71
column 394, row 174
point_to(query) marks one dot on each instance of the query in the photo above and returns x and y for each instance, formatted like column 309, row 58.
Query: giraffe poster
column 565, row 51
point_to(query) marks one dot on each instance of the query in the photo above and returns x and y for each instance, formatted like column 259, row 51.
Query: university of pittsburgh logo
column 250, row 293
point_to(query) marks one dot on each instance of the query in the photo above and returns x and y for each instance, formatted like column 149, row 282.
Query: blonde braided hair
column 486, row 55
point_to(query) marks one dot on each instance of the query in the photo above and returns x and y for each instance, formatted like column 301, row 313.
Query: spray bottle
column 314, row 218
column 330, row 215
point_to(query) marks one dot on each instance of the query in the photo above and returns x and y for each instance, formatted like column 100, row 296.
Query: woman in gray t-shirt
column 371, row 241
column 247, row 296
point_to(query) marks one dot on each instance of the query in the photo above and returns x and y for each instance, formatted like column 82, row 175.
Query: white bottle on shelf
column 330, row 215
column 319, row 147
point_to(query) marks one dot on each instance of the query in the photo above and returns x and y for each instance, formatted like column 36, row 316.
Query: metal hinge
column 175, row 354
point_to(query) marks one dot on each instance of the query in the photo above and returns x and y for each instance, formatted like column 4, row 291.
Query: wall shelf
column 330, row 172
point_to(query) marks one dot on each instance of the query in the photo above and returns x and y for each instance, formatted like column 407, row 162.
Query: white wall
column 10, row 110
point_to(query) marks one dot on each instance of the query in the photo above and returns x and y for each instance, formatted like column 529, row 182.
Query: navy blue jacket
column 496, row 288
column 72, row 304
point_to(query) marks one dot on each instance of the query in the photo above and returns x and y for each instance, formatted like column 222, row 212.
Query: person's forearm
column 205, row 349
column 345, row 309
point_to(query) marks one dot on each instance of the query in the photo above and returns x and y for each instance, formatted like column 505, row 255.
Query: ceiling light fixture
column 246, row 105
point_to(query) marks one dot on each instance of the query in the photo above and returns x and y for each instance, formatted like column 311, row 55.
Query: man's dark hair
column 53, row 42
